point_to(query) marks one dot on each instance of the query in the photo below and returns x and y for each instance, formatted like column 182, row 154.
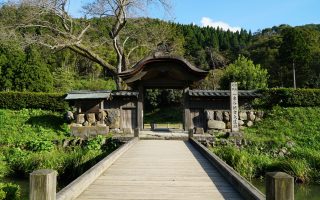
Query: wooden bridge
column 159, row 169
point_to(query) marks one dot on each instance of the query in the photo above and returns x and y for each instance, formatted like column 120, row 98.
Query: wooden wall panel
column 129, row 118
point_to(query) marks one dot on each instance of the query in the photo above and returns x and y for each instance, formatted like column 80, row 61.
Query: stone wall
column 220, row 120
column 108, row 117
column 91, row 124
column 86, row 132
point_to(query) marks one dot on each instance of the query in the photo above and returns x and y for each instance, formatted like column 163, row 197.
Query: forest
column 28, row 65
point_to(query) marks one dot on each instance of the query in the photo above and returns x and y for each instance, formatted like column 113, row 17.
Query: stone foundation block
column 214, row 124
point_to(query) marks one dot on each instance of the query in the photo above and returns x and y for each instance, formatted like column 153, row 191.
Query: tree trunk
column 118, row 81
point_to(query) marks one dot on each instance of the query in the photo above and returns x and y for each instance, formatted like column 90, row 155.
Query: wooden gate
column 129, row 118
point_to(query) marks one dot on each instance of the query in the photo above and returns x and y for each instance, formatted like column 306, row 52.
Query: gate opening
column 163, row 109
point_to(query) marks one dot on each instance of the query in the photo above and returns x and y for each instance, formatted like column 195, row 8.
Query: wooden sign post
column 234, row 106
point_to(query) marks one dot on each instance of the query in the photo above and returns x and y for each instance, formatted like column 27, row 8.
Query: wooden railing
column 43, row 182
column 279, row 185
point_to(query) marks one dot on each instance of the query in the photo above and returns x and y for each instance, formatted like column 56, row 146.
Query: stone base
column 214, row 124
column 127, row 131
column 234, row 134
column 198, row 130
column 89, row 131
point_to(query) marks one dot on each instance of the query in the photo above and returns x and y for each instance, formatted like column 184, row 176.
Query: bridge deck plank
column 161, row 169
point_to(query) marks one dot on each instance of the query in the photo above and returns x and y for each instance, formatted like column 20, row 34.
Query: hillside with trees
column 27, row 60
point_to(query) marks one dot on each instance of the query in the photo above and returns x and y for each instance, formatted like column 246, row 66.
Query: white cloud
column 206, row 21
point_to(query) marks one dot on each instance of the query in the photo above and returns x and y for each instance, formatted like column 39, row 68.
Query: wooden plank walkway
column 161, row 169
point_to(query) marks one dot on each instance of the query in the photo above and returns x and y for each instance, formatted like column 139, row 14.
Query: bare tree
column 217, row 60
column 61, row 31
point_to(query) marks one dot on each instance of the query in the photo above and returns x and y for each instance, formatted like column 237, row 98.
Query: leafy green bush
column 20, row 100
column 22, row 162
column 289, row 97
column 69, row 162
column 2, row 195
column 40, row 145
column 240, row 160
column 95, row 143
column 248, row 75
column 9, row 191
column 3, row 166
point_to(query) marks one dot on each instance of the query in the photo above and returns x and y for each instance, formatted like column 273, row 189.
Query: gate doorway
column 162, row 72
column 163, row 110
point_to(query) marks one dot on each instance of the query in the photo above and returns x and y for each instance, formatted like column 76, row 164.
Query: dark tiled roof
column 100, row 94
column 222, row 93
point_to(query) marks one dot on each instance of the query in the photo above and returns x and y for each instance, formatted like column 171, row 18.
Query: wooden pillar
column 78, row 106
column 279, row 186
column 101, row 112
column 190, row 133
column 136, row 132
column 186, row 112
column 140, row 107
column 43, row 184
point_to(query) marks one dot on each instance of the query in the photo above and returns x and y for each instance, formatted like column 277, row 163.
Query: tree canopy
column 248, row 75
column 206, row 47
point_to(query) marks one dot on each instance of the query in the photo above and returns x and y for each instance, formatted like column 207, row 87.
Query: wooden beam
column 186, row 112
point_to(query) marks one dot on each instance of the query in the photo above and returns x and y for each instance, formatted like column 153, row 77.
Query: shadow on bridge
column 220, row 183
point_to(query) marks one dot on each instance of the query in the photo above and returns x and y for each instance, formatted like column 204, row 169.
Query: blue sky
column 233, row 14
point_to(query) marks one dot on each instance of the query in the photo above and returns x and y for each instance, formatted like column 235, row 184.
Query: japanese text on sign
column 234, row 106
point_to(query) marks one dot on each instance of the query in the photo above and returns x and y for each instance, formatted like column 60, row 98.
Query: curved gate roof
column 163, row 71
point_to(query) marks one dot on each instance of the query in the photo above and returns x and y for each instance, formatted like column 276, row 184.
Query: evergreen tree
column 11, row 59
column 34, row 74
column 295, row 52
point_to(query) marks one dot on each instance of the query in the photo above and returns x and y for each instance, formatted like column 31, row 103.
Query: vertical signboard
column 234, row 106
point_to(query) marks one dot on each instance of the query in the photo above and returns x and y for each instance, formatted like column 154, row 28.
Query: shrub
column 95, row 143
column 299, row 169
column 20, row 100
column 2, row 194
column 241, row 161
column 289, row 97
column 3, row 166
column 9, row 191
column 248, row 75
column 69, row 162
column 40, row 145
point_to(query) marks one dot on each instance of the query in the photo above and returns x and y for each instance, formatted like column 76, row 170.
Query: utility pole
column 294, row 76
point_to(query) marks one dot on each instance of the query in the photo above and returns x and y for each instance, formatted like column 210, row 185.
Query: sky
column 234, row 14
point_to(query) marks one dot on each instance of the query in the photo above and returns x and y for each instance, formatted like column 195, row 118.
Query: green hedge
column 20, row 100
column 289, row 97
column 9, row 191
